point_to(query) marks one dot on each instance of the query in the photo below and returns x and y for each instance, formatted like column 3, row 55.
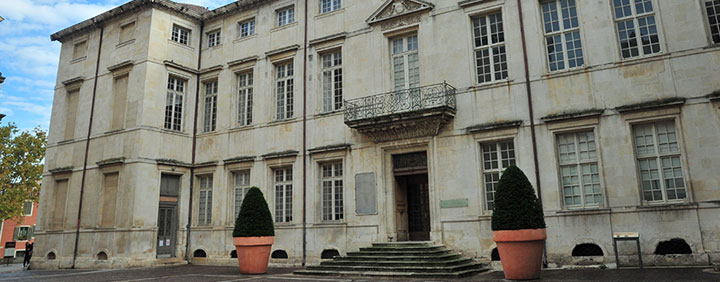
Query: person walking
column 28, row 252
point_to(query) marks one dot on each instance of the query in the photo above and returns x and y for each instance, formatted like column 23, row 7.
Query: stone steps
column 402, row 259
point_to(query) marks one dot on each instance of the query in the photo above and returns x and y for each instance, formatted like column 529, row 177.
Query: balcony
column 402, row 114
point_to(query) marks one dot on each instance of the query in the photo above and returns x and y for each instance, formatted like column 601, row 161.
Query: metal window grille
column 332, row 81
column 242, row 185
column 174, row 104
column 489, row 42
column 713, row 12
column 210, row 117
column 405, row 62
column 247, row 28
column 659, row 161
column 579, row 170
column 329, row 5
column 286, row 16
column 284, row 91
column 636, row 27
column 283, row 194
column 495, row 158
column 562, row 34
column 213, row 38
column 245, row 98
column 332, row 191
column 205, row 200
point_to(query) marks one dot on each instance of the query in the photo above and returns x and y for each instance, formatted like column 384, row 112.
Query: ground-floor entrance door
column 167, row 216
column 418, row 208
column 412, row 198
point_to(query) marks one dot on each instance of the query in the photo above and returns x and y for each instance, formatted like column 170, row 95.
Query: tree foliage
column 516, row 206
column 21, row 156
column 254, row 218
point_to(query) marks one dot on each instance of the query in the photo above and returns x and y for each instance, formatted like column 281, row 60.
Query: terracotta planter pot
column 521, row 252
column 253, row 253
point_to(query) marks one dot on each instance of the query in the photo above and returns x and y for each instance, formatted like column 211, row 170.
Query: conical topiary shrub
column 516, row 206
column 254, row 218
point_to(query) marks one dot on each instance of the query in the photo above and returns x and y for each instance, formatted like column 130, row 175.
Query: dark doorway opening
column 412, row 197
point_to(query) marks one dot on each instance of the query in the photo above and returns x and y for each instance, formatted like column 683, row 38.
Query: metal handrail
column 399, row 101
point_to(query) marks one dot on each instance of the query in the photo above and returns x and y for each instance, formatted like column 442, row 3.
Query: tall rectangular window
column 495, row 158
column 180, row 35
column 579, row 171
column 247, row 28
column 127, row 32
column 284, row 90
column 490, row 57
column 659, row 161
column 71, row 113
column 174, row 104
column 213, row 38
column 210, row 117
column 405, row 62
column 329, row 5
column 242, row 185
column 28, row 208
column 332, row 81
column 119, row 100
column 332, row 191
column 205, row 200
column 562, row 34
column 285, row 16
column 283, row 194
column 636, row 27
column 713, row 13
column 245, row 98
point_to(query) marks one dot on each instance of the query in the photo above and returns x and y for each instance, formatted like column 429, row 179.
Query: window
column 245, row 98
column 562, row 34
column 242, row 185
column 174, row 104
column 28, row 208
column 286, row 16
column 713, row 12
column 71, row 113
column 213, row 38
column 23, row 233
column 495, row 158
column 329, row 5
column 247, row 28
column 659, row 161
column 405, row 62
column 210, row 117
column 633, row 19
column 79, row 49
column 332, row 191
column 332, row 81
column 205, row 201
column 490, row 57
column 579, row 169
column 284, row 90
column 126, row 32
column 180, row 35
column 283, row 194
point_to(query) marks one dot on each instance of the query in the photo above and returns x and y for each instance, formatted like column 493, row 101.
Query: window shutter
column 15, row 233
column 31, row 232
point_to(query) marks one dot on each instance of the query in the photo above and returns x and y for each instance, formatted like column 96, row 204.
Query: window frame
column 213, row 38
column 210, row 118
column 32, row 208
column 336, row 214
column 289, row 17
column 636, row 27
column 578, row 163
column 244, row 114
column 176, row 115
column 122, row 27
column 481, row 158
column 288, row 89
column 708, row 26
column 335, row 69
column 285, row 185
column 405, row 54
column 205, row 220
column 334, row 5
column 562, row 32
column 243, row 187
column 475, row 49
column 178, row 36
column 27, row 233
column 251, row 27
column 657, row 156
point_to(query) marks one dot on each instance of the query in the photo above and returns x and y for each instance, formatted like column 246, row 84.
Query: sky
column 28, row 59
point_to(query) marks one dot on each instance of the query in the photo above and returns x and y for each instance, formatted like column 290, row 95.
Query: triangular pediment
column 397, row 8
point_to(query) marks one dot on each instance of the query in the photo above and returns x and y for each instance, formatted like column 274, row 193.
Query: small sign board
column 626, row 235
column 9, row 250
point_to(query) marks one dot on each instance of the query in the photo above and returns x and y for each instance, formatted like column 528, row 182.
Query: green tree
column 21, row 156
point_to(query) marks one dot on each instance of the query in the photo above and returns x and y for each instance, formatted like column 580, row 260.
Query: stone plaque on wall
column 365, row 194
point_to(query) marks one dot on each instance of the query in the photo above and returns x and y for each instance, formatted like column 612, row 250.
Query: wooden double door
column 413, row 207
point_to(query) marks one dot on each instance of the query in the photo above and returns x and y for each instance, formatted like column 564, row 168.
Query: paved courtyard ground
column 227, row 273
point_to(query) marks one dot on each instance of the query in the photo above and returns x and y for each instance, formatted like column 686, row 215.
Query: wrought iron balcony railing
column 401, row 101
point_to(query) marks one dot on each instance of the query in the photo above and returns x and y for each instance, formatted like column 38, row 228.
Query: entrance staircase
column 399, row 259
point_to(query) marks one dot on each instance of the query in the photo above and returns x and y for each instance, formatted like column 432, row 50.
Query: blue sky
column 28, row 59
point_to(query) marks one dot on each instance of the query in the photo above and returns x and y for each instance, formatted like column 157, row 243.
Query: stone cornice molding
column 660, row 103
column 493, row 126
column 179, row 66
column 393, row 9
column 283, row 154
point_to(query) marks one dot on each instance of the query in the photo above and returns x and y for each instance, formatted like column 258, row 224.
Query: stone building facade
column 374, row 120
